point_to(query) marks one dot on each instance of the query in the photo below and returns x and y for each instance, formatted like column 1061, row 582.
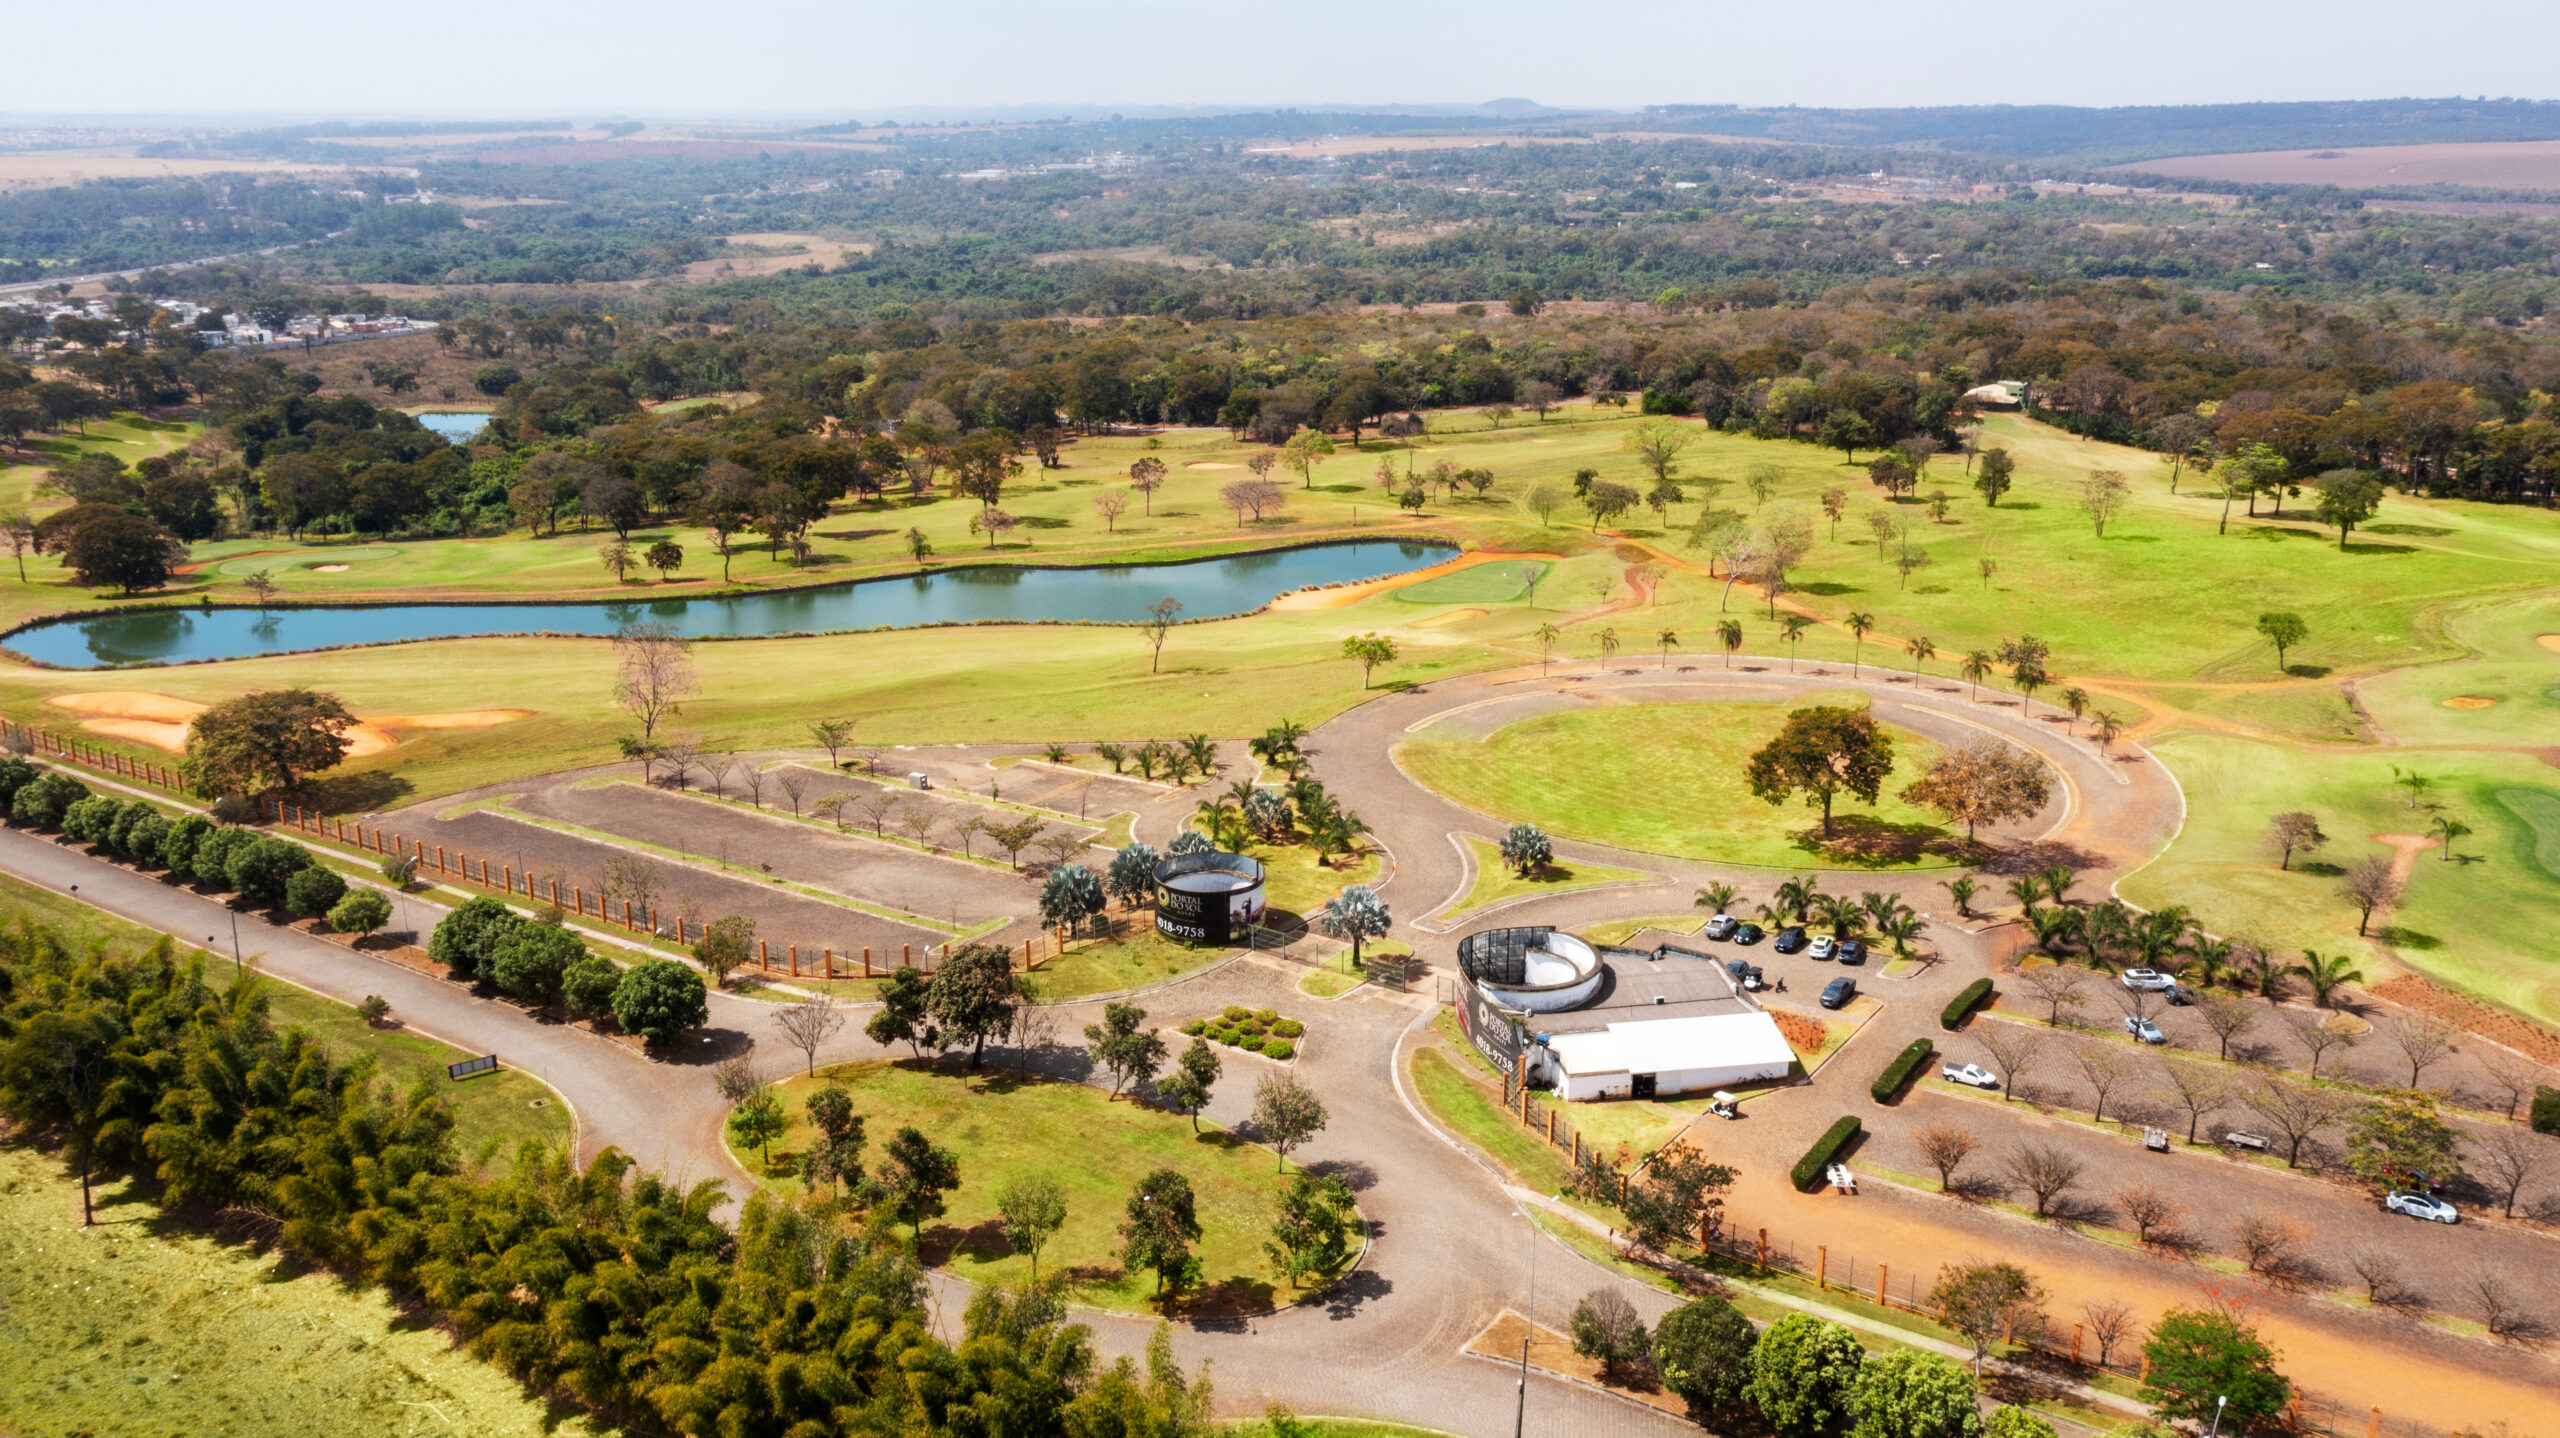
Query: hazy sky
column 860, row 58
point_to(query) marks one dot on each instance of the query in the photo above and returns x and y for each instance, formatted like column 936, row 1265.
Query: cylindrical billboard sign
column 1208, row 898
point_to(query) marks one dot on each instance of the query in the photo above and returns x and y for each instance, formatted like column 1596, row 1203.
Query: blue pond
column 456, row 428
column 1110, row 593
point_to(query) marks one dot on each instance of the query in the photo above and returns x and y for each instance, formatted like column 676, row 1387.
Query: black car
column 1745, row 975
column 1852, row 952
column 1749, row 934
column 1838, row 992
column 1789, row 940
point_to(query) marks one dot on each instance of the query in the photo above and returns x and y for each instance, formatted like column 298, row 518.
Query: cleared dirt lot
column 38, row 169
column 2508, row 165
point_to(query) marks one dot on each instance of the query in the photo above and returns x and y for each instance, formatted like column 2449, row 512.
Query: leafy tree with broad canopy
column 261, row 869
column 269, row 738
column 1132, row 875
column 1910, row 1394
column 361, row 912
column 532, row 962
column 1159, row 1227
column 659, row 999
column 1702, row 1350
column 2197, row 1355
column 913, row 1175
column 465, row 939
column 1313, row 1232
column 1821, row 753
column 313, row 892
column 1123, row 1044
column 972, row 996
column 1802, row 1373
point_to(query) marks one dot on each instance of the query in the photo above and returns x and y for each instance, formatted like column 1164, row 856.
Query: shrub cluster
column 1260, row 1031
column 609, row 1286
column 1899, row 1072
column 1964, row 1003
column 1808, row 1170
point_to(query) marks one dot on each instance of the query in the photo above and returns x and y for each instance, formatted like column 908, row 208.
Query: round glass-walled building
column 1208, row 898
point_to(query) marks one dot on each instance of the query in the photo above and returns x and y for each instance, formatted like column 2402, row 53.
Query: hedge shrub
column 1964, row 1003
column 40, row 803
column 1899, row 1072
column 1808, row 1170
column 2546, row 1110
column 1278, row 1049
column 313, row 892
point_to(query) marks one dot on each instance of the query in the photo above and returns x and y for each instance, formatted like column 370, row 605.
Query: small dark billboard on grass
column 1208, row 898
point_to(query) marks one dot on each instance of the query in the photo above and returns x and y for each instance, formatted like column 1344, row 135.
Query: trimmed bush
column 660, row 999
column 1288, row 1028
column 91, row 820
column 178, row 849
column 1235, row 1013
column 361, row 912
column 120, row 834
column 1807, row 1173
column 40, row 804
column 143, row 842
column 2546, row 1110
column 1278, row 1049
column 211, row 863
column 1964, row 1003
column 312, row 892
column 1196, row 1027
column 261, row 868
column 588, row 986
column 531, row 961
column 1249, row 1044
column 1899, row 1072
column 465, row 938
column 15, row 774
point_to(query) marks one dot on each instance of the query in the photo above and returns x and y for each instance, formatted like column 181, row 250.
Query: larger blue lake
column 1108, row 593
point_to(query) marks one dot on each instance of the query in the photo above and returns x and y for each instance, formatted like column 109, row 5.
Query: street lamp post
column 1520, row 1409
column 2219, row 1400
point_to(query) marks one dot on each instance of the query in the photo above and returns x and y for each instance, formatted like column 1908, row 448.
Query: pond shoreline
column 1451, row 549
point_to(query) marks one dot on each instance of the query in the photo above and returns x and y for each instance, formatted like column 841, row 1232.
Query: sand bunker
column 2469, row 701
column 1450, row 617
column 161, row 720
column 328, row 569
column 2548, row 641
column 1210, row 464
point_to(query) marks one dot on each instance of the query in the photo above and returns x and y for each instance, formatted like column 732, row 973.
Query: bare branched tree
column 653, row 671
column 752, row 775
column 2421, row 1040
column 2060, row 987
column 2506, row 1159
column 2511, row 1076
column 809, row 1023
column 2379, row 1267
column 736, row 1079
column 2148, row 1209
column 2104, row 1068
column 878, row 807
column 2296, row 1112
column 2503, row 1309
column 2226, row 1016
column 2108, row 1320
column 2014, row 1049
column 2267, row 1242
column 1946, row 1146
column 2045, row 1171
column 2317, row 1034
column 794, row 786
column 2195, row 1090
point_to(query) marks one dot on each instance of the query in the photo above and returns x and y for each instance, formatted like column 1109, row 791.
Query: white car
column 1974, row 1074
column 2423, row 1205
column 1823, row 948
column 2144, row 1030
column 2149, row 979
column 1721, row 926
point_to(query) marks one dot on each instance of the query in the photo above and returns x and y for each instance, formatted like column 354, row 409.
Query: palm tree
column 2213, row 957
column 2055, row 929
column 2028, row 892
column 1922, row 651
column 1977, row 664
column 1608, row 645
column 1798, row 896
column 2265, row 972
column 1717, row 898
column 1792, row 629
column 1669, row 639
column 1546, row 635
column 1881, row 907
column 2077, row 701
column 2109, row 726
column 1729, row 634
column 2057, row 880
column 1840, row 914
column 1962, row 891
column 1902, row 928
column 1860, row 625
column 2448, row 829
column 2325, row 975
column 2156, row 936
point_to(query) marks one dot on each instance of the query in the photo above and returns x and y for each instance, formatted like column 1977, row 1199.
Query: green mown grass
column 1481, row 584
column 1000, row 1127
column 1668, row 779
column 1497, row 881
column 1136, row 956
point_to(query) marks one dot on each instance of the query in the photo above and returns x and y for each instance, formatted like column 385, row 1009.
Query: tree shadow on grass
column 1862, row 841
column 983, row 1242
column 364, row 792
column 2035, row 856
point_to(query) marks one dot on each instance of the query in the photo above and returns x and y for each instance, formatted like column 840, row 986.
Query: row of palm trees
column 1801, row 901
column 1245, row 812
column 2168, row 940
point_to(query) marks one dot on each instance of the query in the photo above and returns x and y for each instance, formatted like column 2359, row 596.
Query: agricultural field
column 2488, row 164
column 1001, row 1127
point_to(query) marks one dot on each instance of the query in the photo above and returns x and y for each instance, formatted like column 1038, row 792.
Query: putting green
column 305, row 559
column 1668, row 779
column 2539, row 809
column 1477, row 584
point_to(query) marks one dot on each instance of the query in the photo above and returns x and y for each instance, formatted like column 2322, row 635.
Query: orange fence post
column 1764, row 1251
column 2075, row 1342
column 866, row 961
column 1881, row 1270
column 827, row 962
column 1822, row 1267
column 907, row 955
column 764, row 956
column 439, row 858
column 626, row 913
column 2373, row 1425
column 509, row 870
column 581, row 896
column 795, row 961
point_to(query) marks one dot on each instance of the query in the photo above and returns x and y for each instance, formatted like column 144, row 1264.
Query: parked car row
column 1792, row 939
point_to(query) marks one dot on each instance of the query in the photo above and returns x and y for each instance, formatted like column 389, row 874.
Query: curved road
column 1448, row 1248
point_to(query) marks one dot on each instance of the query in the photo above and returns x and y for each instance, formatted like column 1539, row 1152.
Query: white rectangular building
column 1643, row 1058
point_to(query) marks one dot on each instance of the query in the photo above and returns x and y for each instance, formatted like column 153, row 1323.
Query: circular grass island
column 1669, row 779
column 1001, row 1126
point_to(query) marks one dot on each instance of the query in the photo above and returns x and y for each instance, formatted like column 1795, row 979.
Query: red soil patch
column 2416, row 991
column 2469, row 701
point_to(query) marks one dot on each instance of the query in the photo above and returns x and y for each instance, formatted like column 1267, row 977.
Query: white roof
column 1671, row 1045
